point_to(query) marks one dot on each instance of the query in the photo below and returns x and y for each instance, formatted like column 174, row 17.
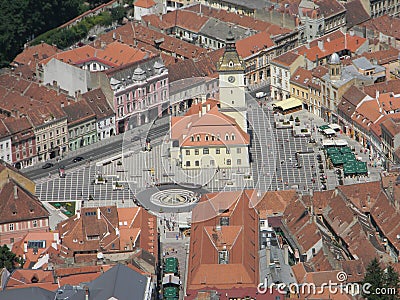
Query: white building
column 5, row 143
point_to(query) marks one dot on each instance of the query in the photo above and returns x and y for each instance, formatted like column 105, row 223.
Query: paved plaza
column 276, row 153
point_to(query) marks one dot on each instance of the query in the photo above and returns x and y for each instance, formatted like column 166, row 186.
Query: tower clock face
column 231, row 79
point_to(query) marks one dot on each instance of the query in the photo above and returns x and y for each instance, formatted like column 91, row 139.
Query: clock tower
column 232, row 91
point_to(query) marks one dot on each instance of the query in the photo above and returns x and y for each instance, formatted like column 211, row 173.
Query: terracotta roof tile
column 32, row 55
column 252, row 44
column 355, row 13
column 332, row 43
column 144, row 3
column 17, row 204
column 97, row 101
column 383, row 87
column 275, row 202
column 240, row 237
column 384, row 24
column 383, row 56
column 286, row 59
column 78, row 112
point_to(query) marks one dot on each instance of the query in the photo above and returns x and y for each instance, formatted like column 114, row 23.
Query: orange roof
column 254, row 43
column 221, row 276
column 332, row 43
column 31, row 55
column 212, row 124
column 274, row 202
column 144, row 3
column 114, row 54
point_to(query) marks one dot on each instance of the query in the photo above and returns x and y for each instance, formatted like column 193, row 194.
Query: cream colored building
column 206, row 138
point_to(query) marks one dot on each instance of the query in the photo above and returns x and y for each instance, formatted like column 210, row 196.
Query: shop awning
column 349, row 168
column 335, row 127
column 288, row 104
column 341, row 143
column 345, row 149
column 323, row 127
column 328, row 143
column 329, row 131
column 170, row 279
column 170, row 292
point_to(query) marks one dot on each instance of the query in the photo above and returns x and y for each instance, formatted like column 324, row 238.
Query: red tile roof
column 274, row 202
column 212, row 123
column 242, row 20
column 383, row 87
column 17, row 204
column 78, row 112
column 333, row 43
column 253, row 44
column 385, row 24
column 131, row 33
column 144, row 3
column 185, row 19
column 355, row 13
column 240, row 236
column 114, row 54
column 97, row 101
column 286, row 59
column 32, row 55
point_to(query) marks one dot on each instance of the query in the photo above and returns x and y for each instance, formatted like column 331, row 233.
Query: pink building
column 141, row 92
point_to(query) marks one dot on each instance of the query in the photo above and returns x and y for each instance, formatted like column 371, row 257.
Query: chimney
column 199, row 113
column 25, row 246
column 203, row 109
column 208, row 106
column 78, row 214
column 321, row 45
column 98, row 213
column 336, row 191
column 15, row 192
column 377, row 94
column 268, row 256
column 286, row 254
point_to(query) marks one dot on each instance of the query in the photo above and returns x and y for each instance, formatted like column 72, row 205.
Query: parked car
column 47, row 165
column 78, row 158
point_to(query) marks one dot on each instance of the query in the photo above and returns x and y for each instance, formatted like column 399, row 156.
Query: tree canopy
column 382, row 284
column 8, row 259
column 21, row 20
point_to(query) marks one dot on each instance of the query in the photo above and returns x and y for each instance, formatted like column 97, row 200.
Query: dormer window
column 223, row 257
column 230, row 63
column 226, row 137
column 198, row 138
column 192, row 138
column 206, row 137
column 233, row 137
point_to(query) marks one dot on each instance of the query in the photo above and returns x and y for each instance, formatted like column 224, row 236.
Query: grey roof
column 220, row 30
column 334, row 59
column 120, row 282
column 252, row 4
column 363, row 63
column 348, row 73
column 31, row 293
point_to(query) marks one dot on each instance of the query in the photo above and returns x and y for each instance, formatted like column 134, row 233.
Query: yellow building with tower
column 213, row 134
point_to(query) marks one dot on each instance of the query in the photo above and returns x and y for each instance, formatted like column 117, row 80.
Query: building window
column 206, row 151
column 223, row 257
column 239, row 162
column 34, row 223
column 11, row 227
column 187, row 152
column 227, row 151
column 217, row 151
column 228, row 162
column 196, row 151
column 238, row 150
column 226, row 137
column 212, row 163
column 197, row 163
column 224, row 221
column 198, row 138
column 187, row 163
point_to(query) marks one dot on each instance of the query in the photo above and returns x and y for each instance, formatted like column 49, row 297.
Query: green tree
column 374, row 278
column 118, row 13
column 380, row 280
column 391, row 283
column 8, row 259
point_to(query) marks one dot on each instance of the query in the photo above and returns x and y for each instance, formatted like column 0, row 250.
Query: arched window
column 233, row 137
column 198, row 138
column 226, row 137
